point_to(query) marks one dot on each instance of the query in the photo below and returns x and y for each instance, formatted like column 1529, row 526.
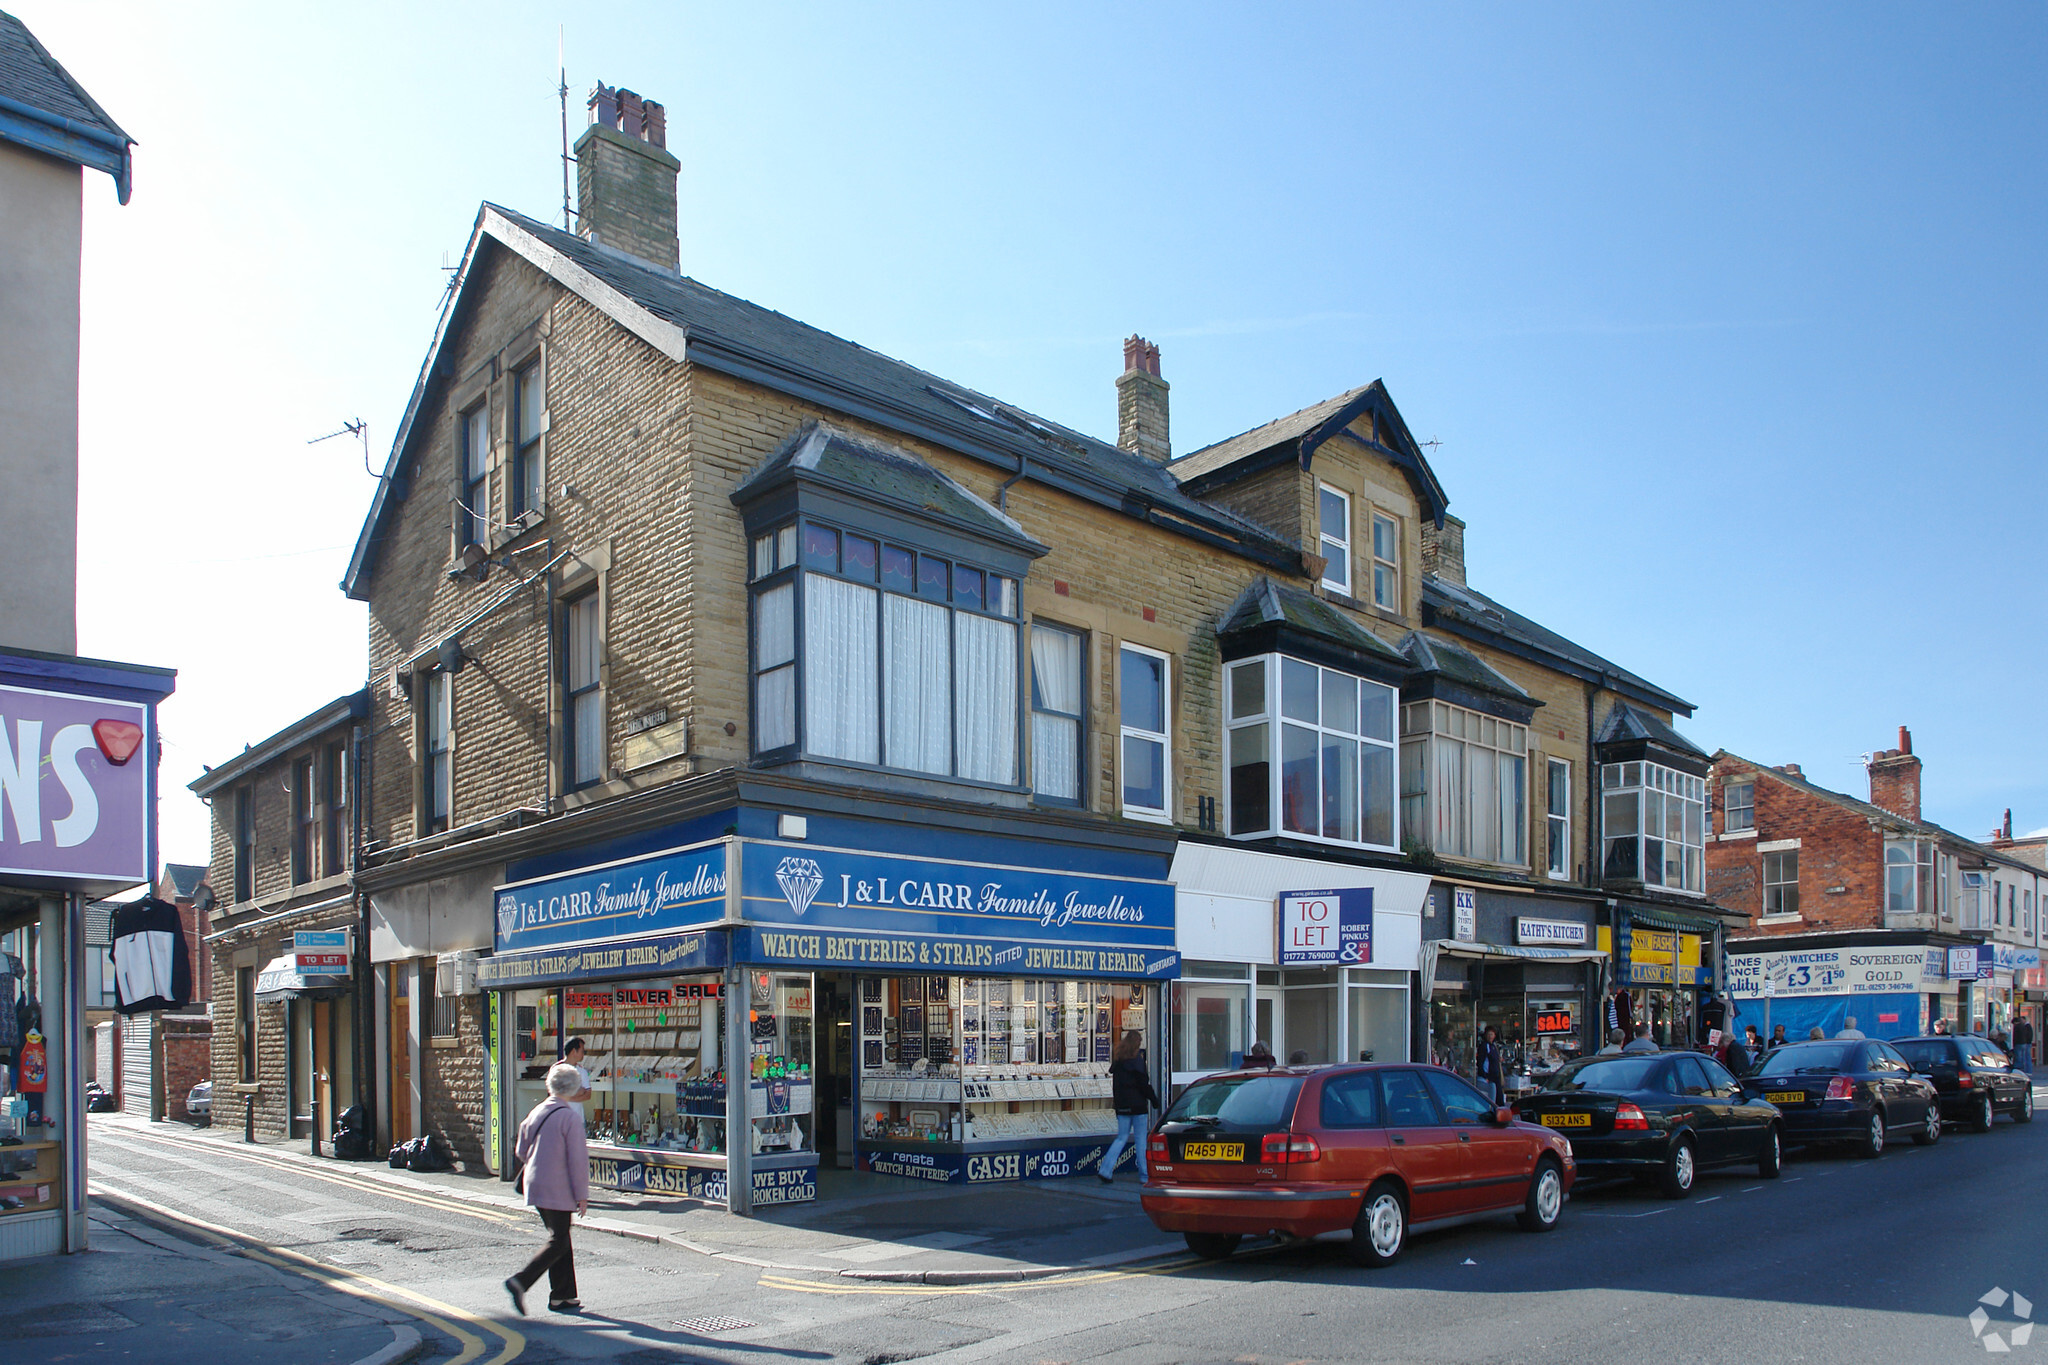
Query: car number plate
column 1785, row 1096
column 1567, row 1120
column 1213, row 1151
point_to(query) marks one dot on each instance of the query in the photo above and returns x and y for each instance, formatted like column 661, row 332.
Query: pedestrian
column 1298, row 1057
column 1641, row 1042
column 1998, row 1038
column 572, row 1053
column 1816, row 1034
column 1941, row 1029
column 1849, row 1029
column 1260, row 1058
column 1752, row 1041
column 1778, row 1038
column 1133, row 1097
column 1487, row 1065
column 1614, row 1039
column 555, row 1173
column 1734, row 1055
column 2023, row 1044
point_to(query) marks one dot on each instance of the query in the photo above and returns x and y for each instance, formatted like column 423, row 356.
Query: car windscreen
column 1928, row 1055
column 1609, row 1073
column 1812, row 1059
column 1238, row 1103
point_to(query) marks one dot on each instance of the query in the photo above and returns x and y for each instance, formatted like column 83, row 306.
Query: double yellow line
column 440, row 1316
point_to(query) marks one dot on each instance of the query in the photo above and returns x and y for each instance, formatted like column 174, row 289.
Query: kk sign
column 74, row 786
column 1326, row 927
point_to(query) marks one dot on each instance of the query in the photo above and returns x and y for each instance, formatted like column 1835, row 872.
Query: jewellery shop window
column 651, row 1051
column 949, row 1059
column 780, row 1042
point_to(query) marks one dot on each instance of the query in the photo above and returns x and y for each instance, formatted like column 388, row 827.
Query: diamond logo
column 508, row 917
column 2019, row 1334
column 799, row 879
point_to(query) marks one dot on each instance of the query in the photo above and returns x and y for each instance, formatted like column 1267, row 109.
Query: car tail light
column 1628, row 1114
column 1283, row 1149
column 1155, row 1148
column 1965, row 1079
column 1840, row 1088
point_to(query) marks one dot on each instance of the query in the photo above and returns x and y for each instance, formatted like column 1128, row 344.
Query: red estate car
column 1373, row 1151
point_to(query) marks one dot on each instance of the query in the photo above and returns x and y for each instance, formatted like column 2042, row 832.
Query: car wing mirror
column 1504, row 1115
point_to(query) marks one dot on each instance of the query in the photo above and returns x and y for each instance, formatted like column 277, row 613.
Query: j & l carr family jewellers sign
column 74, row 787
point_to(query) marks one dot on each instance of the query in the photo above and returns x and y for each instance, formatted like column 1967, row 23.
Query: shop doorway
column 1267, row 1014
column 399, row 1035
column 833, row 1091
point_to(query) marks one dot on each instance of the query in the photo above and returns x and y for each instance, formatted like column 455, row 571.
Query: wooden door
column 323, row 1070
column 399, row 1032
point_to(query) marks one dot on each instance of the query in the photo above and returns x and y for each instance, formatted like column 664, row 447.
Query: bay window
column 1333, row 735
column 1464, row 782
column 875, row 653
column 1653, row 821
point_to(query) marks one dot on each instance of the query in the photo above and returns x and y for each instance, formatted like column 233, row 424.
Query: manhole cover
column 710, row 1324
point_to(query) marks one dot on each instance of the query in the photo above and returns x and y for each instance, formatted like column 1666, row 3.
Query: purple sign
column 74, row 786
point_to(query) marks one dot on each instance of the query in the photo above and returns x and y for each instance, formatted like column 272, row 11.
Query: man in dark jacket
column 1131, row 1092
column 2023, row 1044
column 1488, row 1066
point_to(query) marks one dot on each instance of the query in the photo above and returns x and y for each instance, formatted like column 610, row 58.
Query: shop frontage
column 1665, row 974
column 756, row 1009
column 1895, row 985
column 77, row 821
column 1307, row 955
column 1527, row 966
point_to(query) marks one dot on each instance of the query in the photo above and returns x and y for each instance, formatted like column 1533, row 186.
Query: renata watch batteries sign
column 74, row 786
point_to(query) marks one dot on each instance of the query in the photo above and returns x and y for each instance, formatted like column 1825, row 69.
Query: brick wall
column 452, row 1085
column 1841, row 856
column 187, row 1045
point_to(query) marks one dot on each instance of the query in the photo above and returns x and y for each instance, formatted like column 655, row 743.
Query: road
column 1839, row 1260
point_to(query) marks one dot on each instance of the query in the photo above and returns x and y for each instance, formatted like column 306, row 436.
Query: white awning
column 281, row 980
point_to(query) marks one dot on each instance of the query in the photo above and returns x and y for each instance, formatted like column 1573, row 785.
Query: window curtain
column 775, row 647
column 919, row 686
column 1484, row 810
column 985, row 664
column 1056, row 739
column 1449, row 795
column 840, row 673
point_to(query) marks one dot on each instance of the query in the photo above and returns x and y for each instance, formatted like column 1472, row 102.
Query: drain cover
column 710, row 1324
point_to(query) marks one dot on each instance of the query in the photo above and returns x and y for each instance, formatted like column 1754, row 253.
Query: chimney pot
column 1905, row 740
column 656, row 117
column 626, row 178
column 604, row 106
column 2008, row 823
column 1141, row 412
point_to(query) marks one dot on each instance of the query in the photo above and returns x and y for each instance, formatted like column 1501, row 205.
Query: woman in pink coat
column 556, row 1164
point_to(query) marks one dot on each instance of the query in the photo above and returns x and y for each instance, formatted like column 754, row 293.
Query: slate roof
column 888, row 474
column 1431, row 655
column 47, row 110
column 1627, row 723
column 1211, row 458
column 185, row 879
column 1461, row 611
column 736, row 337
column 1265, row 602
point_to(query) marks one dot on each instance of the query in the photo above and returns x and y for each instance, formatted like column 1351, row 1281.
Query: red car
column 1372, row 1152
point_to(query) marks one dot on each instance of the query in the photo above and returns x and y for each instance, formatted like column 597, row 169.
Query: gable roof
column 185, row 878
column 1625, row 723
column 354, row 706
column 686, row 320
column 43, row 108
column 1299, row 435
column 1458, row 610
column 1266, row 603
column 822, row 453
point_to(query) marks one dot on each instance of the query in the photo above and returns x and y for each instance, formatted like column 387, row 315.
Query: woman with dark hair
column 1132, row 1092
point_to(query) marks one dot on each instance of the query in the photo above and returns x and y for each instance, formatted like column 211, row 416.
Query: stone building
column 1857, row 905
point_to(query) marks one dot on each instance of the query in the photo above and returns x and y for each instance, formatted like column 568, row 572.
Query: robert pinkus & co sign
column 74, row 787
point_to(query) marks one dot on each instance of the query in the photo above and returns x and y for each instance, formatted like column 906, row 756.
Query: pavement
column 862, row 1227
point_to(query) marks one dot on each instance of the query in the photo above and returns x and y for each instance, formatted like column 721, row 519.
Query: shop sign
column 772, row 1185
column 1560, row 932
column 1827, row 971
column 1326, row 927
column 74, row 786
column 321, row 950
column 840, row 907
column 1555, row 1021
column 1962, row 964
column 1464, row 914
column 2007, row 958
column 1045, row 1161
column 681, row 889
column 1935, row 968
column 655, row 956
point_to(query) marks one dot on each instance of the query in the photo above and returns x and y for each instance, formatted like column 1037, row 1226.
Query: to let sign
column 322, row 951
column 1327, row 927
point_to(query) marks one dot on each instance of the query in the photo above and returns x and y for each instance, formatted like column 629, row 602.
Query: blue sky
column 1730, row 321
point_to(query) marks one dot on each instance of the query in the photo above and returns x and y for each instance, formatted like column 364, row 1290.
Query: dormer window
column 1386, row 563
column 1335, row 538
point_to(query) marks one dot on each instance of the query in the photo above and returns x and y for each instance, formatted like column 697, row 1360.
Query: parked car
column 199, row 1101
column 1844, row 1090
column 1371, row 1153
column 1974, row 1077
column 1661, row 1116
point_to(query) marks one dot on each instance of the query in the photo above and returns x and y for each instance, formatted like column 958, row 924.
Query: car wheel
column 1545, row 1204
column 1930, row 1127
column 1212, row 1246
column 1985, row 1115
column 1382, row 1227
column 2025, row 1113
column 1771, row 1159
column 1678, row 1170
column 1872, row 1143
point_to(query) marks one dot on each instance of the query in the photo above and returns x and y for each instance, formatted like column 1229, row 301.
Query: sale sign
column 1326, row 927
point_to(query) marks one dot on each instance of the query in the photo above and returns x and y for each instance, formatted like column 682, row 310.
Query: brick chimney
column 1895, row 778
column 625, row 178
column 1141, row 403
column 1443, row 551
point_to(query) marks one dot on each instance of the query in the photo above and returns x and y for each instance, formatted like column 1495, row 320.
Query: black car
column 1976, row 1080
column 1661, row 1116
column 1848, row 1090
